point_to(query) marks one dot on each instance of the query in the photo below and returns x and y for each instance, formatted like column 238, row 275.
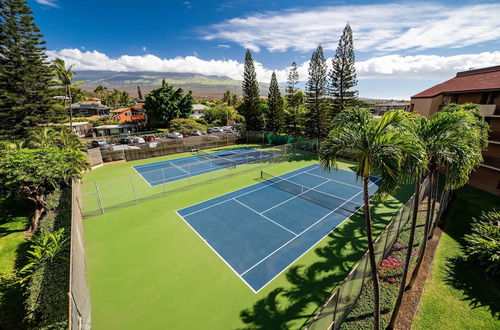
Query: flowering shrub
column 390, row 269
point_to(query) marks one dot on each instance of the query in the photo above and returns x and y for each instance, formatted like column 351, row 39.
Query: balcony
column 491, row 162
column 487, row 109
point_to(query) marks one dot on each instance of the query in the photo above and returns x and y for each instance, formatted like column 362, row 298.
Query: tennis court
column 177, row 169
column 260, row 230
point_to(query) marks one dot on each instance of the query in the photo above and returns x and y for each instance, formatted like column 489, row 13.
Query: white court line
column 302, row 232
column 180, row 168
column 347, row 184
column 309, row 189
column 217, row 253
column 312, row 246
column 246, row 193
column 262, row 215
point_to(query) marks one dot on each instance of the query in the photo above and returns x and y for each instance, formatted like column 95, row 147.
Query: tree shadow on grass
column 479, row 291
column 310, row 286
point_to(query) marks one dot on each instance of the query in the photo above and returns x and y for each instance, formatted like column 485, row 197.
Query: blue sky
column 401, row 47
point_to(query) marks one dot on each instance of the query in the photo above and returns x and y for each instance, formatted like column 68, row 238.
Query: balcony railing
column 492, row 161
column 487, row 109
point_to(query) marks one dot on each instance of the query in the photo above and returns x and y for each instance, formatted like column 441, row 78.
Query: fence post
column 163, row 178
column 99, row 197
column 133, row 188
column 189, row 174
column 211, row 170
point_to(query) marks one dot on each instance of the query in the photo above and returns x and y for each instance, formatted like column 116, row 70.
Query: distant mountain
column 203, row 86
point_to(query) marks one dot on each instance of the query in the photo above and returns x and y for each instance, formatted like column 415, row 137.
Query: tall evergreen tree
column 276, row 114
column 139, row 93
column 293, row 102
column 317, row 105
column 251, row 105
column 25, row 75
column 343, row 73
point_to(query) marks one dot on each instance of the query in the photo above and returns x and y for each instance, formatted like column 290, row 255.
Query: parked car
column 197, row 133
column 175, row 135
column 149, row 138
column 123, row 147
column 184, row 135
column 99, row 144
column 214, row 130
column 137, row 140
column 126, row 140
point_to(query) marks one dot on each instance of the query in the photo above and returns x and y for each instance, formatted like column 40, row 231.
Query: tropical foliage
column 188, row 126
column 376, row 146
column 483, row 244
column 166, row 103
column 34, row 173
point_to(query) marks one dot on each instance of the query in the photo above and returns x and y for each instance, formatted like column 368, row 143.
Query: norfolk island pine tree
column 378, row 146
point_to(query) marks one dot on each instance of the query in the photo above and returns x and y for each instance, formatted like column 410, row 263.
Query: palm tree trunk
column 37, row 214
column 440, row 206
column 70, row 109
column 409, row 250
column 426, row 232
column 371, row 254
column 433, row 207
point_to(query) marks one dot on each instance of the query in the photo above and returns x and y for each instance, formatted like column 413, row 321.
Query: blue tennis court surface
column 262, row 229
column 182, row 168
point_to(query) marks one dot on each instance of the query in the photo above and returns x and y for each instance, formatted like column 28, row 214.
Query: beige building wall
column 486, row 179
column 469, row 98
column 426, row 106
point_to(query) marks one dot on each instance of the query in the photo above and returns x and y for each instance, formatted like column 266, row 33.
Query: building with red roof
column 480, row 86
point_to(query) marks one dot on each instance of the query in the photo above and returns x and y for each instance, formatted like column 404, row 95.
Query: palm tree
column 41, row 138
column 453, row 140
column 414, row 170
column 64, row 77
column 377, row 146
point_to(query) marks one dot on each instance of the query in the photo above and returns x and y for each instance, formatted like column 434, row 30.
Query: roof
column 199, row 107
column 120, row 110
column 78, row 123
column 138, row 106
column 393, row 104
column 113, row 126
column 89, row 106
column 467, row 81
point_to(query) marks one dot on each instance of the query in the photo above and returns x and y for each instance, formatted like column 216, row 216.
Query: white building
column 198, row 110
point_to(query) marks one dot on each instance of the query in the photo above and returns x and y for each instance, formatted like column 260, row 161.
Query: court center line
column 248, row 192
column 302, row 232
column 308, row 189
column 347, row 184
column 262, row 215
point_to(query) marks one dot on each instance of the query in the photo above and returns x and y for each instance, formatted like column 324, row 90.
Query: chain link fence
column 101, row 196
column 79, row 296
column 338, row 306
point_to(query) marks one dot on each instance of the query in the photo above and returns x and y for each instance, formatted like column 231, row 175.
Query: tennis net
column 328, row 201
column 220, row 160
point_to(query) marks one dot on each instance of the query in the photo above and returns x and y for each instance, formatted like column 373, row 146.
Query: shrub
column 189, row 126
column 483, row 244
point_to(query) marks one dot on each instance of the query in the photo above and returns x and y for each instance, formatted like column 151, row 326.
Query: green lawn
column 147, row 269
column 14, row 219
column 457, row 296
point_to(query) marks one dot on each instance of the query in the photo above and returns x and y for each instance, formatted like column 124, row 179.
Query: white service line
column 180, row 168
column 246, row 193
column 345, row 183
column 262, row 215
column 302, row 232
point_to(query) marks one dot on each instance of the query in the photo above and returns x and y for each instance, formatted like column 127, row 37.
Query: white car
column 123, row 147
column 175, row 135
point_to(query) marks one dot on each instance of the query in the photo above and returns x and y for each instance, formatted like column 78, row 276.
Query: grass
column 147, row 269
column 14, row 219
column 458, row 295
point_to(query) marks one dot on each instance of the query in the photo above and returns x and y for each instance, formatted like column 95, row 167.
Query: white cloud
column 51, row 3
column 223, row 46
column 390, row 66
column 386, row 27
column 144, row 49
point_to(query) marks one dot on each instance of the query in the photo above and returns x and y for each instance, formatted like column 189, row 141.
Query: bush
column 46, row 296
column 483, row 244
column 188, row 126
